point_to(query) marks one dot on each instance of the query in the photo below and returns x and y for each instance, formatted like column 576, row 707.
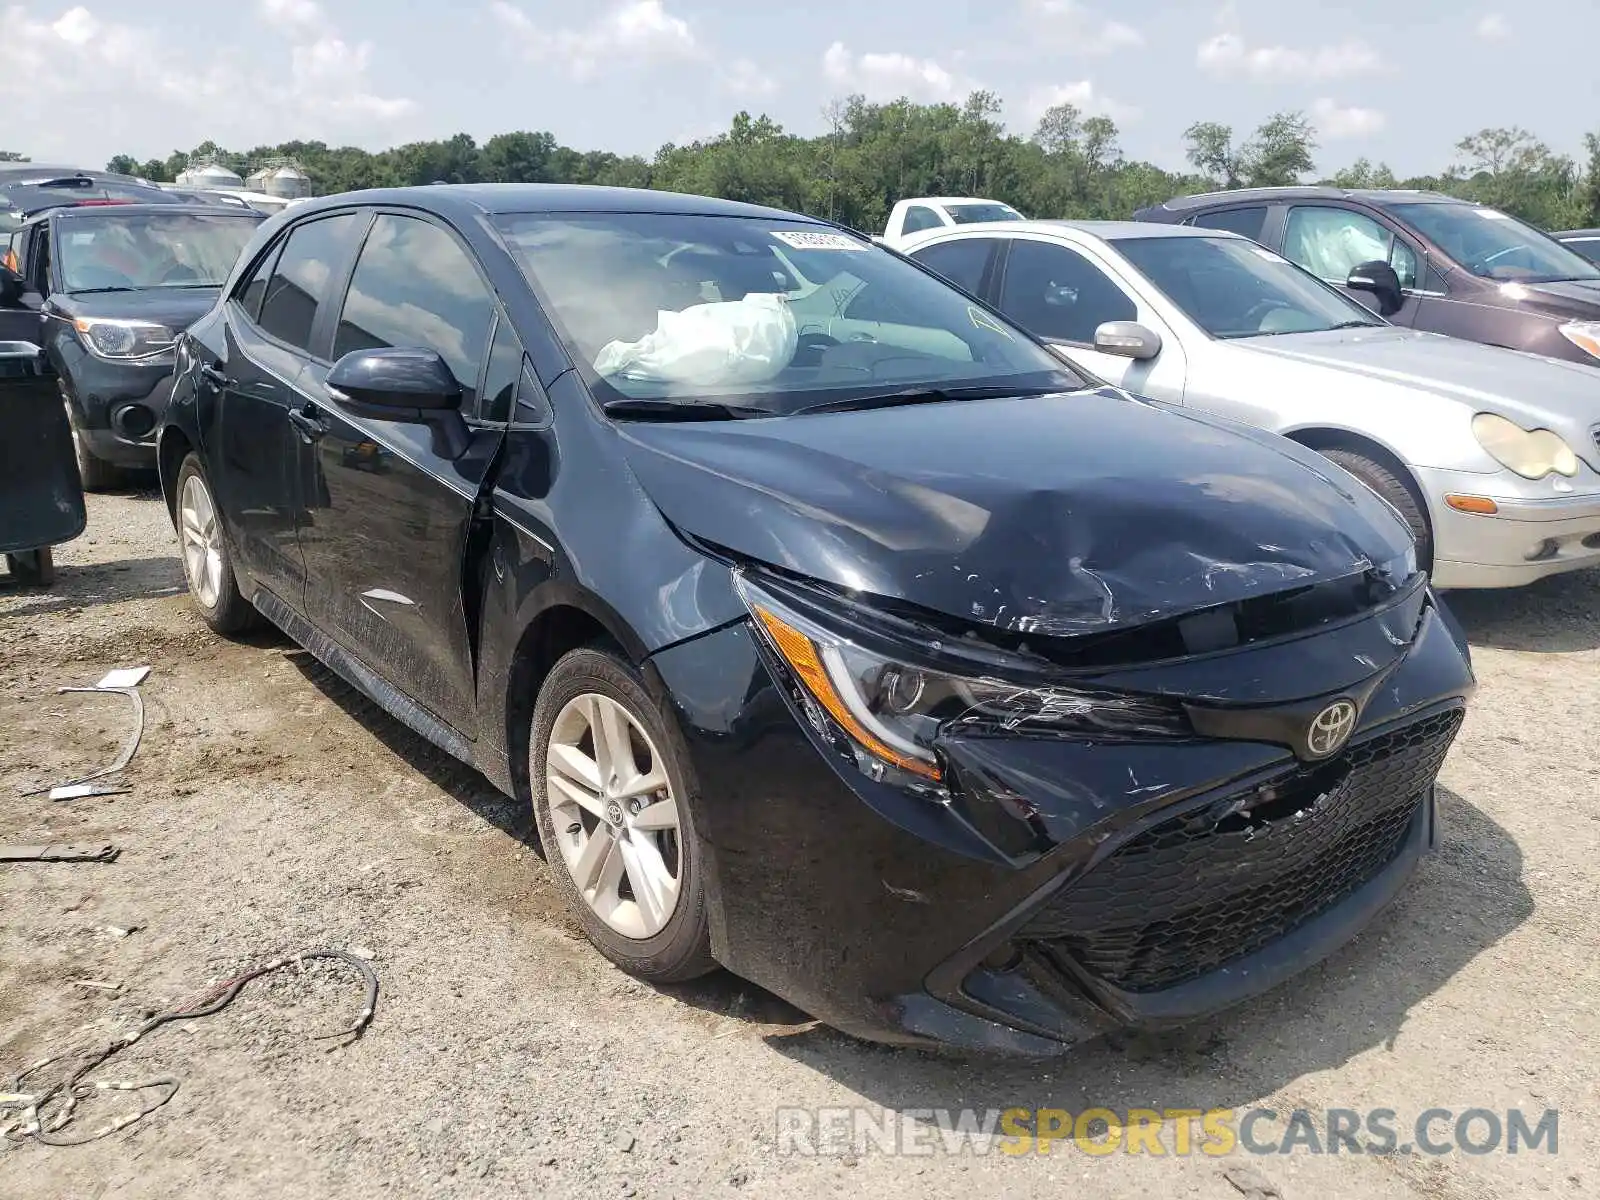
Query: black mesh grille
column 1200, row 889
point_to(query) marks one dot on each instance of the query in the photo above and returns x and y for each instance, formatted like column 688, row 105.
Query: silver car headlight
column 121, row 339
column 1531, row 453
column 890, row 711
column 1585, row 335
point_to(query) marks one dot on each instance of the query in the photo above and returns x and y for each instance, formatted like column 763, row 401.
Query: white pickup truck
column 936, row 212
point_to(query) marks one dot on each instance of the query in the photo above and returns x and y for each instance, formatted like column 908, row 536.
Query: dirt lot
column 273, row 810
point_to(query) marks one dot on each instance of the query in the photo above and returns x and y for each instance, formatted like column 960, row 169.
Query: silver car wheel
column 614, row 815
column 202, row 541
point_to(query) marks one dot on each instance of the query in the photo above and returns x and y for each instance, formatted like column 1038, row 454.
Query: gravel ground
column 272, row 810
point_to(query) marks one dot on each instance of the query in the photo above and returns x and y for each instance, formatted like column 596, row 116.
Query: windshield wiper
column 1356, row 325
column 673, row 410
column 115, row 287
column 927, row 395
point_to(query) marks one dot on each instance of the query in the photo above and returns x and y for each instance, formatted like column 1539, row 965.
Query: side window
column 919, row 218
column 39, row 273
column 533, row 405
column 1331, row 242
column 249, row 296
column 1054, row 292
column 414, row 287
column 300, row 278
column 1247, row 222
column 962, row 261
column 501, row 376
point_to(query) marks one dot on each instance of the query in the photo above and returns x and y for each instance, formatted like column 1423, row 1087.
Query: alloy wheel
column 202, row 541
column 615, row 815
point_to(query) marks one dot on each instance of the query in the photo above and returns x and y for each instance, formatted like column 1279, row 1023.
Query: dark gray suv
column 1421, row 259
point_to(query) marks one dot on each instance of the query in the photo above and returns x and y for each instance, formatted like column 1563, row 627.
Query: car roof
column 1577, row 233
column 30, row 200
column 68, row 212
column 498, row 198
column 1105, row 230
column 25, row 173
column 1376, row 196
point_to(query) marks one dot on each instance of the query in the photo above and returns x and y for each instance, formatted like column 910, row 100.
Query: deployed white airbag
column 728, row 342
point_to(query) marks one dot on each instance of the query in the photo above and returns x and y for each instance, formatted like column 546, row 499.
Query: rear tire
column 207, row 559
column 1397, row 491
column 642, row 901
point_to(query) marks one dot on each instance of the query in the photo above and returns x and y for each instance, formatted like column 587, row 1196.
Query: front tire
column 207, row 560
column 96, row 474
column 613, row 795
column 1396, row 491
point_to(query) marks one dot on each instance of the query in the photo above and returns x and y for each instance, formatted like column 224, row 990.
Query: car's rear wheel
column 612, row 787
column 1397, row 491
column 207, row 561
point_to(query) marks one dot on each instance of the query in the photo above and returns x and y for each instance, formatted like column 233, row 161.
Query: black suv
column 835, row 630
column 1421, row 259
column 105, row 287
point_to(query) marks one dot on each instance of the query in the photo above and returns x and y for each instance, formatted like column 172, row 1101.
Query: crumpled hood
column 1055, row 515
column 1533, row 389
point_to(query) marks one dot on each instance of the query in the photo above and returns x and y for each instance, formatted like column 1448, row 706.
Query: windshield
column 182, row 248
column 1494, row 246
column 972, row 214
column 1233, row 288
column 768, row 314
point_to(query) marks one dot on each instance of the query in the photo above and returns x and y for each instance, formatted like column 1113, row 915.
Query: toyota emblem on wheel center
column 1331, row 728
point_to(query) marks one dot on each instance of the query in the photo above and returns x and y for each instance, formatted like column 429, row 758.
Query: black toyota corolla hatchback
column 835, row 630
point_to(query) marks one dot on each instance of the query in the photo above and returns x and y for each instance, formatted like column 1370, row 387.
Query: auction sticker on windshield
column 817, row 241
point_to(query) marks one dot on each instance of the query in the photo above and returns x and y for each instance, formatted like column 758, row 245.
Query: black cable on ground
column 41, row 1126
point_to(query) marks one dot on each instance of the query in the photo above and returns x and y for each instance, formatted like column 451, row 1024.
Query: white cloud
column 1492, row 27
column 1335, row 122
column 87, row 86
column 1079, row 29
column 1230, row 54
column 890, row 76
column 1083, row 96
column 638, row 30
column 747, row 80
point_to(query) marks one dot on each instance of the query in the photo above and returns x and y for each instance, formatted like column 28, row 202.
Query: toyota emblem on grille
column 1331, row 729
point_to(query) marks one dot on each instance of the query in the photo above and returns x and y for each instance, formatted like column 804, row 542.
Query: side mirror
column 11, row 287
column 403, row 385
column 1380, row 279
column 1129, row 339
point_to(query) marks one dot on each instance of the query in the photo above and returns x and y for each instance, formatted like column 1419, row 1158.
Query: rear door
column 385, row 534
column 268, row 328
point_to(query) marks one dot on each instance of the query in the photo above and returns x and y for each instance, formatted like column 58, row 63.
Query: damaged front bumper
column 1065, row 885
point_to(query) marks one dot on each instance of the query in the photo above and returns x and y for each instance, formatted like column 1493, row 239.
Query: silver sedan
column 1491, row 455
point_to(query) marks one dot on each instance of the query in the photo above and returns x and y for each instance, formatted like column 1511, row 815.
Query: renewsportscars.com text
column 1178, row 1132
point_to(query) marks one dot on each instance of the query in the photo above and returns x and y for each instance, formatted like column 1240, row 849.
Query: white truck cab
column 936, row 212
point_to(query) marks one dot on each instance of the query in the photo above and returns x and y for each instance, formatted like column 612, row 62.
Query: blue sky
column 1394, row 80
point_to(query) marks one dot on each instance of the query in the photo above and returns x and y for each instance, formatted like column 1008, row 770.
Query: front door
column 268, row 330
column 1058, row 294
column 385, row 534
column 1331, row 242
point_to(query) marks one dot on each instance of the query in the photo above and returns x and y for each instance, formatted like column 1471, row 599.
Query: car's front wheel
column 1381, row 479
column 207, row 561
column 612, row 783
column 96, row 474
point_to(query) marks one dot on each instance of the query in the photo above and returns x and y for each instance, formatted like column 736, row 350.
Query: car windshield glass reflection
column 763, row 316
column 1232, row 288
column 971, row 214
column 1494, row 246
column 181, row 249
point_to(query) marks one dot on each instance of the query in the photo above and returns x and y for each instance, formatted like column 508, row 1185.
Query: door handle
column 307, row 422
column 214, row 376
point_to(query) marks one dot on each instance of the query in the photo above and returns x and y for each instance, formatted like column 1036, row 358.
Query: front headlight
column 111, row 337
column 1585, row 335
column 890, row 711
column 1531, row 453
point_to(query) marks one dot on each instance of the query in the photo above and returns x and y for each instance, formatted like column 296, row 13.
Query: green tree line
column 872, row 154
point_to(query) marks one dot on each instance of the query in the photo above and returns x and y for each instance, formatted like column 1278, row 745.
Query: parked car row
column 838, row 630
